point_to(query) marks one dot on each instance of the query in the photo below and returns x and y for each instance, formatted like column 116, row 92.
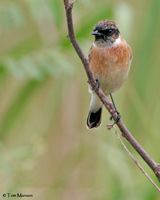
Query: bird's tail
column 94, row 116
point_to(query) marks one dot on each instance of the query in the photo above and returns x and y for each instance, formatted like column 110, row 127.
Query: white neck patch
column 108, row 44
column 117, row 42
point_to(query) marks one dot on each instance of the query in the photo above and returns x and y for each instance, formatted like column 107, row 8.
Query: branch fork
column 69, row 5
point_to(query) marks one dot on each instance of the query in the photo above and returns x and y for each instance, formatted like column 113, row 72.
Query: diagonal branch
column 125, row 132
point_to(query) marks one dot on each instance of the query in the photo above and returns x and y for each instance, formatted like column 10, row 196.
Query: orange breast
column 110, row 65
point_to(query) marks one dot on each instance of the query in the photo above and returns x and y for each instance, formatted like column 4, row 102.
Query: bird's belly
column 111, row 78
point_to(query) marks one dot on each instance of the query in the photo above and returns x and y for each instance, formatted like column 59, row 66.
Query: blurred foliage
column 45, row 148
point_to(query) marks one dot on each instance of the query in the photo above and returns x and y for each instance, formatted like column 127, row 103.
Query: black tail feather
column 94, row 119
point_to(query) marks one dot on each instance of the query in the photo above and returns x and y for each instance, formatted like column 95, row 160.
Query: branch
column 125, row 132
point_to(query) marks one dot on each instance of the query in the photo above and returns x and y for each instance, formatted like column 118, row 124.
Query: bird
column 110, row 58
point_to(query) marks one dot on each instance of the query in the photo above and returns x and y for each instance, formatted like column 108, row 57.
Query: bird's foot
column 109, row 126
column 97, row 85
column 117, row 119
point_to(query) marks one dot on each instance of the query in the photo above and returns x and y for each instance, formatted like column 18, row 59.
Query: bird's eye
column 109, row 32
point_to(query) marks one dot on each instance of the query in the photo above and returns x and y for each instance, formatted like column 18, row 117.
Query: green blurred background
column 45, row 148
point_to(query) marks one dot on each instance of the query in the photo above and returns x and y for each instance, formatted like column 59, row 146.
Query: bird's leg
column 97, row 85
column 119, row 116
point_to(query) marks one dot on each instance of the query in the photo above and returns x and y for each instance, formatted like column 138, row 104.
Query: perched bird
column 110, row 58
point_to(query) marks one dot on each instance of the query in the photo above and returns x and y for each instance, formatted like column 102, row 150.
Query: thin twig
column 136, row 162
column 125, row 132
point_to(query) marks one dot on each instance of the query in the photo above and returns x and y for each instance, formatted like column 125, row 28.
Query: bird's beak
column 96, row 33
